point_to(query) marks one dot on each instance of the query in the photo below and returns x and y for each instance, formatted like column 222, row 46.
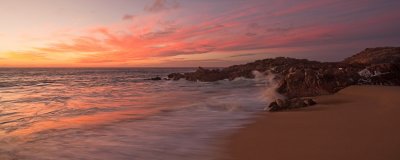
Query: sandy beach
column 358, row 122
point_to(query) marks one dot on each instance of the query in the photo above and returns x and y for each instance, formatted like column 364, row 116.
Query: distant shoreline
column 358, row 122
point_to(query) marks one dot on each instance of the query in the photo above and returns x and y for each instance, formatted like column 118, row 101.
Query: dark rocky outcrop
column 285, row 104
column 317, row 79
column 155, row 79
column 304, row 78
column 205, row 75
column 375, row 56
column 176, row 76
column 296, row 77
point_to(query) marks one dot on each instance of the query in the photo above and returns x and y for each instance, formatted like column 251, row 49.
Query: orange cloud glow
column 167, row 33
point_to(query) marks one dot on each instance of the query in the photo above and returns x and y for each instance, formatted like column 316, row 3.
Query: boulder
column 280, row 104
column 273, row 106
column 297, row 103
column 309, row 102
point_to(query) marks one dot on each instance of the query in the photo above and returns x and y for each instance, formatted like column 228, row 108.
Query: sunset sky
column 182, row 33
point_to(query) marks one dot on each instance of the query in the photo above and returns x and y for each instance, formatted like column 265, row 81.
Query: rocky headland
column 299, row 78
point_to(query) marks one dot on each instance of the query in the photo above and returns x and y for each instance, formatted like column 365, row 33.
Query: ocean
column 115, row 113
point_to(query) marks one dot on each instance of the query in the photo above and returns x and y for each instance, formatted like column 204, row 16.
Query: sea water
column 115, row 113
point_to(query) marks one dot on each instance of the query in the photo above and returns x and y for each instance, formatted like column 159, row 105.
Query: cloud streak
column 239, row 28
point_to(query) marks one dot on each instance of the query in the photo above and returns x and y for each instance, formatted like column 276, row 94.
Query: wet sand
column 359, row 122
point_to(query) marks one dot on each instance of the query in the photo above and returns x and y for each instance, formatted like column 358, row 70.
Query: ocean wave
column 87, row 112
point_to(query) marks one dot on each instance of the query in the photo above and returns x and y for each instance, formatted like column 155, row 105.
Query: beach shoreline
column 358, row 122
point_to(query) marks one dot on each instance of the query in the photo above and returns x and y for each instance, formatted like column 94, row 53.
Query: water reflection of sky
column 85, row 116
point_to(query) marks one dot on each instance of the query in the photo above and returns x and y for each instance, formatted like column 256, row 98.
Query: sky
column 189, row 33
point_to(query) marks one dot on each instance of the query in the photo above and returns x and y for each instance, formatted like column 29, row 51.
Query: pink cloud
column 243, row 29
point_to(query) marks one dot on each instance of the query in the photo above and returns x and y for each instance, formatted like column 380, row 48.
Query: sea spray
column 271, row 84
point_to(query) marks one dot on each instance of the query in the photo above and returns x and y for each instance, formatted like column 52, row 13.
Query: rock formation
column 155, row 79
column 285, row 104
column 304, row 78
column 376, row 56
